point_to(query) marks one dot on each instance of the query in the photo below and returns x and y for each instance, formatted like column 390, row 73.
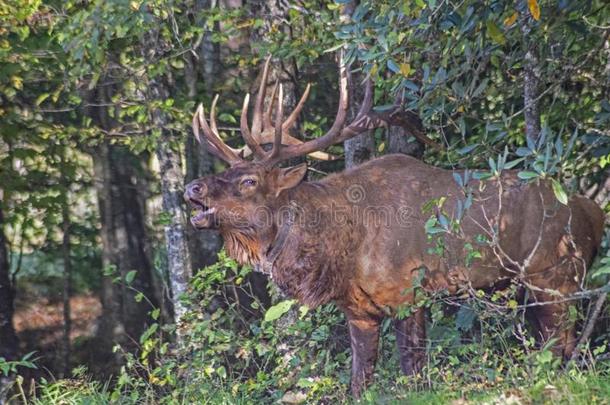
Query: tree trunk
column 205, row 244
column 8, row 339
column 362, row 147
column 125, row 245
column 111, row 328
column 172, row 187
column 131, row 238
column 172, row 183
column 122, row 192
column 397, row 141
column 531, row 82
column 67, row 276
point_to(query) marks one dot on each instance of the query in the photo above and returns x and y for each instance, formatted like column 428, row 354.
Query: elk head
column 237, row 197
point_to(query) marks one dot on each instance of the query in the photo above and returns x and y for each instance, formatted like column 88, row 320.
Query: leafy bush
column 229, row 353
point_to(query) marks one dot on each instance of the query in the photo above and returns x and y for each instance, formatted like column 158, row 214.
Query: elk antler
column 215, row 144
column 286, row 146
column 263, row 130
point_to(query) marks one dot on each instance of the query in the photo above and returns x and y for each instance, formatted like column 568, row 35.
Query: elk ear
column 285, row 178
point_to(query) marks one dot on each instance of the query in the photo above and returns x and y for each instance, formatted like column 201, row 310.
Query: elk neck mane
column 243, row 245
column 312, row 260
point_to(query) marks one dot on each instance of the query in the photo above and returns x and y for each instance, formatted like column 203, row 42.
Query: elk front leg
column 364, row 339
column 410, row 340
column 552, row 322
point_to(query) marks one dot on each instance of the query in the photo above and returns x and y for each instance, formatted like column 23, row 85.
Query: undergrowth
column 233, row 350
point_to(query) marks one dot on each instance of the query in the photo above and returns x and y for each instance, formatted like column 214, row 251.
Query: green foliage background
column 458, row 65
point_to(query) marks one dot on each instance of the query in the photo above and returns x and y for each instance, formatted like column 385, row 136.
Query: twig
column 586, row 333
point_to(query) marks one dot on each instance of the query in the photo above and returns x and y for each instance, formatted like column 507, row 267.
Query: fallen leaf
column 293, row 398
column 508, row 21
column 534, row 9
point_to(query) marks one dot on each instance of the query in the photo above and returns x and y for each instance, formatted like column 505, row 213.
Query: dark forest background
column 98, row 260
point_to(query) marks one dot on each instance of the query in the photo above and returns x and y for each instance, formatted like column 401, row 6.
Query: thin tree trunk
column 131, row 236
column 9, row 347
column 67, row 276
column 111, row 327
column 172, row 187
column 531, row 82
column 172, row 183
column 362, row 147
column 589, row 325
column 209, row 53
column 203, row 244
column 397, row 141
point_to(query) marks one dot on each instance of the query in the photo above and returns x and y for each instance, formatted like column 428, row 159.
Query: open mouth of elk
column 200, row 211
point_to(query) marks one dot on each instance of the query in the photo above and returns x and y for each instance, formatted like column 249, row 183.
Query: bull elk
column 359, row 237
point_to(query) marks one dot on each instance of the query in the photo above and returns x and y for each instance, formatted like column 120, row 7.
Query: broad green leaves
column 560, row 194
column 277, row 310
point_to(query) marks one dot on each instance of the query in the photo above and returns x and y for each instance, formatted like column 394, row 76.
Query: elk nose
column 195, row 190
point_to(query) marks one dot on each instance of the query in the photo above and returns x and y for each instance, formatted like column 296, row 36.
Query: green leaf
column 393, row 66
column 482, row 175
column 222, row 372
column 560, row 194
column 224, row 117
column 42, row 98
column 276, row 311
column 525, row 175
column 513, row 163
column 495, row 33
column 149, row 332
column 467, row 149
column 601, row 271
column 177, row 63
column 384, row 107
column 130, row 276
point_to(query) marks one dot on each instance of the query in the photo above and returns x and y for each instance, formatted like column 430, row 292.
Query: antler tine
column 219, row 148
column 333, row 133
column 260, row 99
column 267, row 124
column 294, row 115
column 195, row 123
column 252, row 143
column 213, row 115
column 277, row 142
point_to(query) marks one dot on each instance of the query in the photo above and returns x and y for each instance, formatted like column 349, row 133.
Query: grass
column 572, row 387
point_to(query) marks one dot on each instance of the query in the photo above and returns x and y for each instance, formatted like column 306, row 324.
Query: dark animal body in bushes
column 360, row 238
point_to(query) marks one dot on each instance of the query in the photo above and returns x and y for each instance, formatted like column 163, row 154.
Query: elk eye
column 248, row 182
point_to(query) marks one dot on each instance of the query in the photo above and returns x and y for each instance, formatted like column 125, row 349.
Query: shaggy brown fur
column 358, row 238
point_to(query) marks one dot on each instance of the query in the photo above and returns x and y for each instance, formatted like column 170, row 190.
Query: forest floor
column 39, row 324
